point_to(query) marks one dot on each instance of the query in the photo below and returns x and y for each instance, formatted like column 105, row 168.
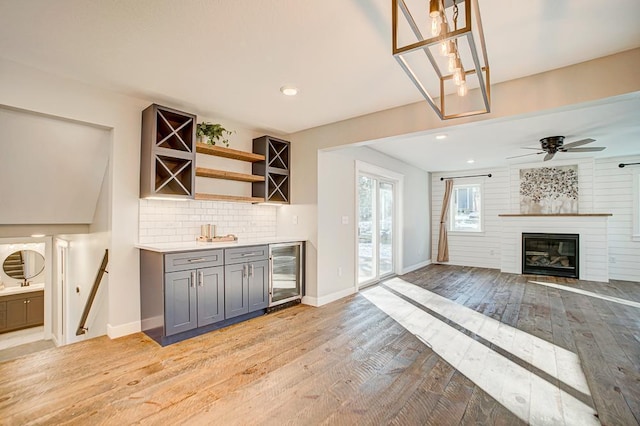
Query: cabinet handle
column 199, row 259
column 244, row 270
column 24, row 302
column 193, row 279
column 254, row 253
column 251, row 270
column 201, row 279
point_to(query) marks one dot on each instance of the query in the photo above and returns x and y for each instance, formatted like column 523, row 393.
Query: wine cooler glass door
column 286, row 277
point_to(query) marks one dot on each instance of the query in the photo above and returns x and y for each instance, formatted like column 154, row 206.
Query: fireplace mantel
column 556, row 215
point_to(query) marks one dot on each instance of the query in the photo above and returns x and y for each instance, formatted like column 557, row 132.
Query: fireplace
column 550, row 254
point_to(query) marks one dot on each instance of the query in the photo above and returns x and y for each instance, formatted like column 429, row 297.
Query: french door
column 376, row 224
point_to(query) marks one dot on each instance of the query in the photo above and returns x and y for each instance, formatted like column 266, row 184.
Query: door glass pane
column 366, row 229
column 386, row 228
column 285, row 276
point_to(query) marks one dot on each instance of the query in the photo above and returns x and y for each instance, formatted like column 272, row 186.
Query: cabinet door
column 35, row 310
column 16, row 313
column 210, row 295
column 236, row 296
column 258, row 285
column 3, row 316
column 180, row 302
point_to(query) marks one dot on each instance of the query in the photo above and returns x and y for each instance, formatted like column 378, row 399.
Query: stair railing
column 82, row 327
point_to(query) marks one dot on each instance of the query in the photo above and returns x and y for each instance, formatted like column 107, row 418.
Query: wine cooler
column 286, row 283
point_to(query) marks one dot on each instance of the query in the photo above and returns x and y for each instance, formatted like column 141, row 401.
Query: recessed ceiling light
column 471, row 161
column 440, row 137
column 289, row 90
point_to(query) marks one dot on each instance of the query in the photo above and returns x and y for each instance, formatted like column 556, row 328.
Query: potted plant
column 211, row 133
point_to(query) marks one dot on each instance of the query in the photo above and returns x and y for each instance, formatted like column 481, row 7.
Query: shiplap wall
column 474, row 249
column 603, row 188
column 613, row 193
column 593, row 249
column 585, row 183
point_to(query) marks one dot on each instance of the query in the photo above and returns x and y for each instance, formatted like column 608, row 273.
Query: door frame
column 397, row 179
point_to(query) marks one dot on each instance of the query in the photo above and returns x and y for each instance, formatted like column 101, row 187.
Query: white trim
column 635, row 236
column 123, row 329
column 55, row 340
column 416, row 266
column 451, row 219
column 398, row 193
column 319, row 301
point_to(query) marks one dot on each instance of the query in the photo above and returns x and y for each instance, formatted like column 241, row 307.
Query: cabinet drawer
column 245, row 254
column 193, row 259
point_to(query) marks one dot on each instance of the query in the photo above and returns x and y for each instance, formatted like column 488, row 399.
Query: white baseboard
column 416, row 266
column 123, row 329
column 319, row 301
column 54, row 339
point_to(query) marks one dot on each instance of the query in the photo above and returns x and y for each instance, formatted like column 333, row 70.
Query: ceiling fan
column 554, row 144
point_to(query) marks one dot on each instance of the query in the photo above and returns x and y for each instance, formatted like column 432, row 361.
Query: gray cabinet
column 193, row 298
column 20, row 311
column 246, row 274
column 180, row 292
column 167, row 157
column 189, row 293
column 275, row 168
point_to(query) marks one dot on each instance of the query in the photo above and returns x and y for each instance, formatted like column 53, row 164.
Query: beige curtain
column 443, row 243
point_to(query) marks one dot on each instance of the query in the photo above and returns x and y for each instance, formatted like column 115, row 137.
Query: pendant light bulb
column 436, row 18
column 435, row 26
column 451, row 64
column 444, row 49
column 458, row 72
column 462, row 89
column 434, row 8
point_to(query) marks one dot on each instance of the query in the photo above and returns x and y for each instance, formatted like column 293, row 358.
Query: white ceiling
column 228, row 59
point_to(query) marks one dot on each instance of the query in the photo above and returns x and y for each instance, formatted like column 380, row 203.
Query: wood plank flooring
column 343, row 363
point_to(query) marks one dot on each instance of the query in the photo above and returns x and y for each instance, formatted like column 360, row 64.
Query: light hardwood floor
column 343, row 363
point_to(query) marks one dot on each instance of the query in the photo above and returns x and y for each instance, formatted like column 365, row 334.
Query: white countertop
column 196, row 245
column 16, row 289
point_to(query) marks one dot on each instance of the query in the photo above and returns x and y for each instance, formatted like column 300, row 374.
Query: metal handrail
column 82, row 329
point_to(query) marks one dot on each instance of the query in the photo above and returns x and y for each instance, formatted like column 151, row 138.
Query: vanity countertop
column 16, row 289
column 196, row 245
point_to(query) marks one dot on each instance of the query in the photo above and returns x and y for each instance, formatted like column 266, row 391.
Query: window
column 465, row 208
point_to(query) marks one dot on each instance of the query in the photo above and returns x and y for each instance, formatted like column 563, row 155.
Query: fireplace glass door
column 550, row 254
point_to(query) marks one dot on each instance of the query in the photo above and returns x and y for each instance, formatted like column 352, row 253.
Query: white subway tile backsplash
column 164, row 221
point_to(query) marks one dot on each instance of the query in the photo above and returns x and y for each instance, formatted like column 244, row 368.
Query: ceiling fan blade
column 549, row 156
column 578, row 143
column 524, row 155
column 592, row 149
column 526, row 147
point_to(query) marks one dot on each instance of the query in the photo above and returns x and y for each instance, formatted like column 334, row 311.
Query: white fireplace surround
column 592, row 228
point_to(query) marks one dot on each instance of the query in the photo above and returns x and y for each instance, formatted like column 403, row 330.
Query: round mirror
column 23, row 264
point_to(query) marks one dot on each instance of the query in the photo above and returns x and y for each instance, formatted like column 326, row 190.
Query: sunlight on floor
column 528, row 396
column 589, row 293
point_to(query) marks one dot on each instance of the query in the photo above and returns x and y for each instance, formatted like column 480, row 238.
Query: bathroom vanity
column 21, row 309
column 21, row 301
column 190, row 289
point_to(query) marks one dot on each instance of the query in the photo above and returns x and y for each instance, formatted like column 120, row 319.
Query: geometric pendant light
column 443, row 52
